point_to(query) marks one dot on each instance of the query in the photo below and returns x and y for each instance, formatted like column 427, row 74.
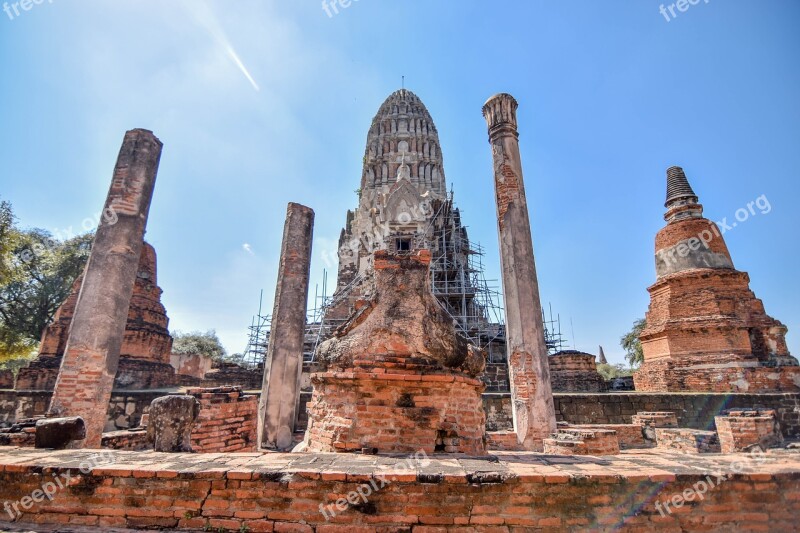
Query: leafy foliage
column 43, row 271
column 630, row 343
column 207, row 344
column 613, row 371
column 36, row 276
column 7, row 240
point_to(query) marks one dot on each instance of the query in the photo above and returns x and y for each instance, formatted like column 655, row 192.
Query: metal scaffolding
column 319, row 327
column 258, row 339
column 552, row 332
column 457, row 281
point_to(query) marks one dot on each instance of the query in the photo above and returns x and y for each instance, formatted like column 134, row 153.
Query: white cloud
column 247, row 248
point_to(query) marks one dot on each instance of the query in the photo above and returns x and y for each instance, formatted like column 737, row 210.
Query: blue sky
column 260, row 103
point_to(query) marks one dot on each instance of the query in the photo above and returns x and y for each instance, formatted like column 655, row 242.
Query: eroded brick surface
column 687, row 440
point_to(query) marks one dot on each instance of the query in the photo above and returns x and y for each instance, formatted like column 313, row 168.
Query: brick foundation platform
column 630, row 436
column 512, row 492
column 715, row 374
column 502, row 441
column 655, row 419
column 582, row 441
column 687, row 440
column 741, row 429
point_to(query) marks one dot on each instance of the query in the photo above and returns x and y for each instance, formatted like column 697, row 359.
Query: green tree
column 41, row 273
column 7, row 239
column 198, row 343
column 630, row 343
column 613, row 371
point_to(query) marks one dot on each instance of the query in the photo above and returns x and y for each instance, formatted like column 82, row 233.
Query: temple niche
column 146, row 344
column 706, row 331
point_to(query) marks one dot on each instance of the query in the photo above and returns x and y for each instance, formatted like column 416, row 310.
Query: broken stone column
column 283, row 366
column 91, row 357
column 172, row 419
column 59, row 433
column 529, row 374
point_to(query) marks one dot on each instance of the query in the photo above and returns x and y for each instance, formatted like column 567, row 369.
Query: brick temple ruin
column 146, row 344
column 418, row 410
column 706, row 331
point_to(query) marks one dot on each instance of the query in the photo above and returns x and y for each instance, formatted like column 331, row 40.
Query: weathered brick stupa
column 396, row 376
column 146, row 345
column 574, row 371
column 706, row 331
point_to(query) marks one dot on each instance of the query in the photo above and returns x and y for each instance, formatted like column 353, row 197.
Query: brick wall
column 497, row 407
column 6, row 379
column 131, row 440
column 284, row 492
column 227, row 421
column 694, row 410
column 495, row 376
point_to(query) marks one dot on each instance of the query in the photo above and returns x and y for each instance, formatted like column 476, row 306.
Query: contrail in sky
column 205, row 17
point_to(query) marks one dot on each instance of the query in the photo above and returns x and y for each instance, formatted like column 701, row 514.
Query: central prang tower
column 404, row 205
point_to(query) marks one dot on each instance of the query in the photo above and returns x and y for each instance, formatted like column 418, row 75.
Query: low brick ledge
column 509, row 491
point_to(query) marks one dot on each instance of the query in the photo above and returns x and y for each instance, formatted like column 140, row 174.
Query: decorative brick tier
column 227, row 421
column 715, row 374
column 573, row 371
column 518, row 492
column 687, row 440
column 396, row 413
column 740, row 430
column 582, row 441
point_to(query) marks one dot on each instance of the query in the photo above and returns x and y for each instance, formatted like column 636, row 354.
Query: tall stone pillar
column 529, row 373
column 283, row 366
column 91, row 356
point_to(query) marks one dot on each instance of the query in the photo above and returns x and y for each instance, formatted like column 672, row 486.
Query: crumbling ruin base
column 396, row 413
column 743, row 429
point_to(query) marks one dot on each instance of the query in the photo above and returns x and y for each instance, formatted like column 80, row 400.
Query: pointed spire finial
column 678, row 187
